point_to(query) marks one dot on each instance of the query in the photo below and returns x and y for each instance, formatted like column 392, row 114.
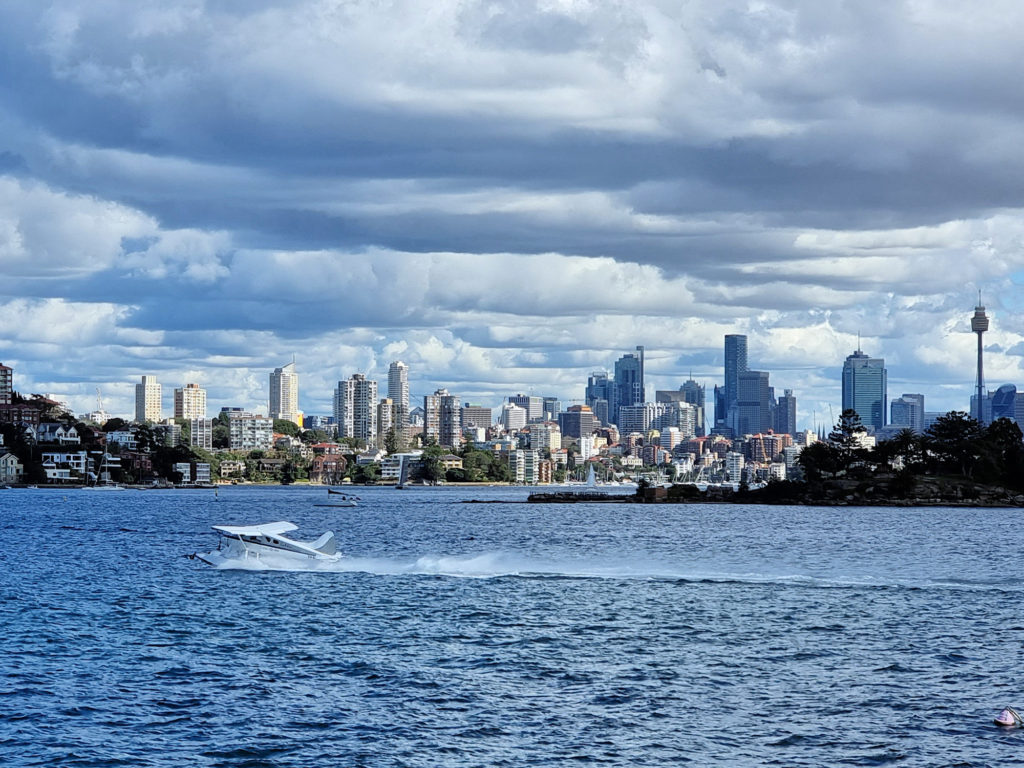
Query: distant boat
column 591, row 477
column 105, row 485
column 346, row 500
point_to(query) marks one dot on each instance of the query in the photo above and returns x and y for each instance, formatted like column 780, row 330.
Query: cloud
column 506, row 195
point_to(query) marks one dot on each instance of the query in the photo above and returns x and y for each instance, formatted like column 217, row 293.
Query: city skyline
column 529, row 192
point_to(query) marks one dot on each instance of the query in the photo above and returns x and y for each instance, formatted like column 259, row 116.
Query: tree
column 221, row 435
column 820, row 459
column 953, row 442
column 285, row 427
column 847, row 438
column 391, row 441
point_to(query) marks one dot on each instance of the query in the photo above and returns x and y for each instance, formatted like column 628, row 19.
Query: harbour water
column 507, row 634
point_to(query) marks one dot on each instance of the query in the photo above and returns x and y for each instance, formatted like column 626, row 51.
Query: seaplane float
column 267, row 542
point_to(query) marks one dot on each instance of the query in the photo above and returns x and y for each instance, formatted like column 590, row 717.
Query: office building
column 599, row 394
column 577, row 421
column 476, row 416
column 1003, row 403
column 753, row 406
column 552, row 407
column 534, row 406
column 864, row 388
column 148, row 396
column 907, row 412
column 629, row 386
column 735, row 364
column 784, row 415
column 513, row 418
column 284, row 394
column 190, row 402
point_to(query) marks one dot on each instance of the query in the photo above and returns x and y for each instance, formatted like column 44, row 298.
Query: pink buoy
column 1009, row 718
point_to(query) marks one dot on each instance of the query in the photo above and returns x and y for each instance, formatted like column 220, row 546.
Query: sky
column 507, row 195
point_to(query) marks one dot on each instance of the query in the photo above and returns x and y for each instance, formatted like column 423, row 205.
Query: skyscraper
column 599, row 395
column 979, row 324
column 753, row 406
column 148, row 396
column 735, row 364
column 629, row 382
column 398, row 392
column 190, row 402
column 284, row 394
column 785, row 414
column 907, row 411
column 864, row 388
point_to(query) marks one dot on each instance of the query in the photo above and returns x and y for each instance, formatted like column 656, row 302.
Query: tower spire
column 979, row 324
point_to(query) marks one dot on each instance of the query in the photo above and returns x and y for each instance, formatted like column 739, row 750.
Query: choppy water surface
column 507, row 634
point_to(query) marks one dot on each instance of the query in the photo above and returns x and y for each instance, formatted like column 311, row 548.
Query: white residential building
column 148, row 397
column 513, row 417
column 201, row 433
column 11, row 470
column 251, row 433
column 190, row 402
column 524, row 466
column 398, row 392
column 734, row 463
column 284, row 394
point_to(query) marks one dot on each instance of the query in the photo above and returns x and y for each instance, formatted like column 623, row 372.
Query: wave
column 492, row 565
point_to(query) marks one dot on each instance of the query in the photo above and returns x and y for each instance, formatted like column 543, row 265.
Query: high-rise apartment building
column 148, row 396
column 247, row 432
column 201, row 433
column 398, row 392
column 6, row 384
column 442, row 419
column 284, row 394
column 385, row 420
column 355, row 408
column 190, row 402
column 864, row 388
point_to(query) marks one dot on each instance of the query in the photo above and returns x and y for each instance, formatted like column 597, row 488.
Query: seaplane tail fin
column 326, row 544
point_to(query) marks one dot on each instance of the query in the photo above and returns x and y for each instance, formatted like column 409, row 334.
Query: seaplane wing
column 264, row 529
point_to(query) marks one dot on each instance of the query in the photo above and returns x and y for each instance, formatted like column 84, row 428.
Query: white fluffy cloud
column 506, row 195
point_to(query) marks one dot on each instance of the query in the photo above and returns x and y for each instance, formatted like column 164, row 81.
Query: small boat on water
column 339, row 499
column 267, row 541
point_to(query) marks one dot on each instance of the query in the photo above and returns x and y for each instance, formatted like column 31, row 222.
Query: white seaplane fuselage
column 267, row 544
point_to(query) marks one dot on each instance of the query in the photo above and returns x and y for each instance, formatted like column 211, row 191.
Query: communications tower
column 979, row 324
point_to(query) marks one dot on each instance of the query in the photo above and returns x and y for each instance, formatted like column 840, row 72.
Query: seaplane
column 267, row 542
